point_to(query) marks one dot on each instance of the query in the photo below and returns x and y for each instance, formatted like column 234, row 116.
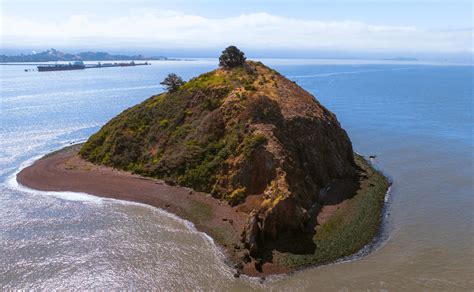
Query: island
column 247, row 155
column 54, row 55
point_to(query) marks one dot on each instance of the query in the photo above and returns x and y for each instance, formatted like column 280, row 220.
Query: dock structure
column 121, row 64
column 79, row 65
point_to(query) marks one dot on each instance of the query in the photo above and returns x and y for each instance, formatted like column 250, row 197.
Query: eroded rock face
column 309, row 150
column 307, row 154
column 252, row 232
column 234, row 133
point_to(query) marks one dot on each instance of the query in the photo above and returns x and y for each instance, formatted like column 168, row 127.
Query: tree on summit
column 231, row 57
column 172, row 82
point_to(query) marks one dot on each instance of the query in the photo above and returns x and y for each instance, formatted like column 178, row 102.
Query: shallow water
column 417, row 119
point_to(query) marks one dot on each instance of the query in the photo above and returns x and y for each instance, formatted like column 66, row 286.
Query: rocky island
column 247, row 155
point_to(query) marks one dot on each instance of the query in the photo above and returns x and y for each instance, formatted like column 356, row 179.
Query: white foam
column 13, row 145
column 13, row 183
column 387, row 194
column 365, row 251
column 378, row 241
column 61, row 95
column 217, row 250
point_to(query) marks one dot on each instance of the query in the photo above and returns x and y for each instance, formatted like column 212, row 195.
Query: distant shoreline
column 53, row 55
column 54, row 62
column 64, row 170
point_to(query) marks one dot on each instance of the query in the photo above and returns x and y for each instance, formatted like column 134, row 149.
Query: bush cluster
column 232, row 57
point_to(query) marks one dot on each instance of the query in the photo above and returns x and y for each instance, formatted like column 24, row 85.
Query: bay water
column 416, row 118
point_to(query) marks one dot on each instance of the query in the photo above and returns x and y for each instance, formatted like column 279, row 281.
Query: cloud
column 171, row 29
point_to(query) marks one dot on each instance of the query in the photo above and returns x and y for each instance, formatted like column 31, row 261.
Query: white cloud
column 170, row 29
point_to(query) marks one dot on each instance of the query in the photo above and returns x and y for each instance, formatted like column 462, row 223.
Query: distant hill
column 55, row 55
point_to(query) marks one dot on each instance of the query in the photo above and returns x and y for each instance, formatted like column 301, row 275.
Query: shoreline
column 64, row 171
column 51, row 173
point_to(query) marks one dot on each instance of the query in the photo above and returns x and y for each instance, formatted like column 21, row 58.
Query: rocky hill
column 246, row 135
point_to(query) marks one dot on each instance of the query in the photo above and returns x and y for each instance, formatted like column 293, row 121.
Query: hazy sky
column 407, row 26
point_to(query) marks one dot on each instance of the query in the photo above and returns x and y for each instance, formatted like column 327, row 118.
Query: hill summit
column 247, row 135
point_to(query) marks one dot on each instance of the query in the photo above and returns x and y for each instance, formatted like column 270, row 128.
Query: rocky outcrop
column 246, row 135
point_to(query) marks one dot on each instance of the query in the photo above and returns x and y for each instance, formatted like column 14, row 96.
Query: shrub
column 172, row 82
column 164, row 123
column 237, row 196
column 250, row 143
column 211, row 104
column 231, row 57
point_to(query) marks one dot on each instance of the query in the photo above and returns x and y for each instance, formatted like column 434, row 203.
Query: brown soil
column 66, row 171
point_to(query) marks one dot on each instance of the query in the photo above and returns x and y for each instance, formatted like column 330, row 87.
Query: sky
column 297, row 27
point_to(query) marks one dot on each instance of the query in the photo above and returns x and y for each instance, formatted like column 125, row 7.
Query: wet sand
column 65, row 170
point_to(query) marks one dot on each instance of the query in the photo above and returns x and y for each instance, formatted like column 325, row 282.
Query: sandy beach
column 65, row 170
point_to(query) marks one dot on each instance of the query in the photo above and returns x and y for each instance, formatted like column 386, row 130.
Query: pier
column 78, row 65
column 121, row 64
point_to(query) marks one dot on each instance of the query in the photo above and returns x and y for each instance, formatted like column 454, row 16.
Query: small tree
column 231, row 57
column 172, row 82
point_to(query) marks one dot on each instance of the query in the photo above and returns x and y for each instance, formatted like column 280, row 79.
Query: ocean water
column 417, row 119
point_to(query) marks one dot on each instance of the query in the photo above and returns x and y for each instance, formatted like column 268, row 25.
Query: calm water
column 417, row 119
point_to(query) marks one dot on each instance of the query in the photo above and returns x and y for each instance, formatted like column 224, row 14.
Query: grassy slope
column 346, row 232
column 180, row 136
column 351, row 227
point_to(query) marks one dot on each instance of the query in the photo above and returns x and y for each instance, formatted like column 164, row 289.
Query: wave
column 62, row 94
column 13, row 147
column 344, row 73
column 13, row 184
column 377, row 243
column 381, row 238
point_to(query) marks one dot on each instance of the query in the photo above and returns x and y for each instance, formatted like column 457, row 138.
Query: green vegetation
column 67, row 149
column 181, row 135
column 201, row 214
column 206, row 80
column 236, row 197
column 252, row 142
column 351, row 227
column 164, row 123
column 211, row 134
column 172, row 82
column 200, row 211
column 231, row 57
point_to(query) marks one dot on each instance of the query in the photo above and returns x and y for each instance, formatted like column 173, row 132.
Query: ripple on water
column 421, row 131
column 141, row 243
